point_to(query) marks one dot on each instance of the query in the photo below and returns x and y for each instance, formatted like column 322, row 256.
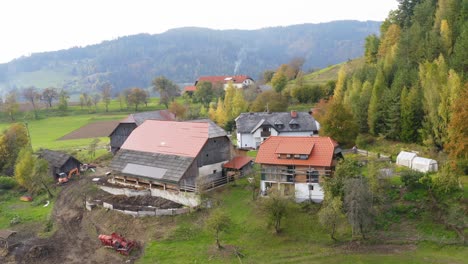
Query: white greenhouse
column 405, row 158
column 424, row 164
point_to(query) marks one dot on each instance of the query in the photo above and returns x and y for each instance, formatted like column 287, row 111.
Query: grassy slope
column 302, row 241
column 11, row 206
column 43, row 78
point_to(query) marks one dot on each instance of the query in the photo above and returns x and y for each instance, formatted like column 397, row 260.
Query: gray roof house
column 59, row 161
column 254, row 128
column 127, row 125
column 171, row 156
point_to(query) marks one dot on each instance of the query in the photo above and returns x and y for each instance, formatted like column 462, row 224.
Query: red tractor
column 118, row 243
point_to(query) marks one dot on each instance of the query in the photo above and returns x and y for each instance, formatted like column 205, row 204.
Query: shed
column 59, row 161
column 405, row 158
column 240, row 164
column 424, row 164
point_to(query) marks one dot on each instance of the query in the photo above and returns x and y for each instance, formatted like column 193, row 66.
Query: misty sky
column 29, row 26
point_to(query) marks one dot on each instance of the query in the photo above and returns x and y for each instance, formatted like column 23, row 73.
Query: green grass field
column 302, row 240
column 28, row 212
column 46, row 132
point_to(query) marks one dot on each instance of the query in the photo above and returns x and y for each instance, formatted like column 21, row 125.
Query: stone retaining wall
column 184, row 198
column 143, row 210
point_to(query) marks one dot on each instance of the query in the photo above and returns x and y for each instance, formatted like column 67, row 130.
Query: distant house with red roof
column 296, row 166
column 132, row 121
column 239, row 81
column 171, row 158
column 190, row 89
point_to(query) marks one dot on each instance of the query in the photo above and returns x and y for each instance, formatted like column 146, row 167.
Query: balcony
column 265, row 133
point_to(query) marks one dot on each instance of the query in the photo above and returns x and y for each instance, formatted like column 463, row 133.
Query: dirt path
column 76, row 237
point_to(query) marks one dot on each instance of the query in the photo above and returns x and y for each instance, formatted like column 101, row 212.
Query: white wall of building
column 209, row 169
column 296, row 134
column 245, row 140
column 303, row 193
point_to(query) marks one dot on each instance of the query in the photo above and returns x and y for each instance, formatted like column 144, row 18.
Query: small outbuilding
column 239, row 164
column 405, row 158
column 424, row 164
column 59, row 161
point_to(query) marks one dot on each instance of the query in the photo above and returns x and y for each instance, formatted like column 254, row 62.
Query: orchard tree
column 331, row 216
column 178, row 110
column 96, row 99
column 269, row 101
column 106, row 95
column 31, row 95
column 217, row 223
column 167, row 90
column 49, row 95
column 63, row 100
column 358, row 205
column 276, row 209
column 204, row 93
column 11, row 106
column 279, row 80
column 136, row 96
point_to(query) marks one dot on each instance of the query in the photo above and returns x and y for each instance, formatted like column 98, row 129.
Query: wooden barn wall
column 121, row 134
column 190, row 175
column 215, row 150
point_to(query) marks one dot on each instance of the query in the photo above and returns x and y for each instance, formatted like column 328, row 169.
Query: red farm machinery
column 118, row 243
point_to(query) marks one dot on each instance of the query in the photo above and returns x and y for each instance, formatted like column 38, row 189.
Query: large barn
column 172, row 156
column 126, row 126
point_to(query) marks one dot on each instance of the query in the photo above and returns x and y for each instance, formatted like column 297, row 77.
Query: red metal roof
column 168, row 137
column 191, row 88
column 321, row 152
column 224, row 79
column 238, row 162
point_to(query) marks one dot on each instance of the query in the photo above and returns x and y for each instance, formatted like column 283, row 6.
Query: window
column 289, row 156
column 311, row 187
column 313, row 176
column 214, row 171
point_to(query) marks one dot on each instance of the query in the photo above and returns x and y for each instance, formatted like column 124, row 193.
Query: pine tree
column 340, row 86
column 363, row 107
column 376, row 110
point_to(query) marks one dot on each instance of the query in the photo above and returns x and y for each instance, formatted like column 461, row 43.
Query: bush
column 15, row 220
column 411, row 178
column 7, row 183
column 364, row 140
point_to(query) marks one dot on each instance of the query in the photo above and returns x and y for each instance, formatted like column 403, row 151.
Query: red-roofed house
column 190, row 89
column 171, row 158
column 239, row 81
column 296, row 166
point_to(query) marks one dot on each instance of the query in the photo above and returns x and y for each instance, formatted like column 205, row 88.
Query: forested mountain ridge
column 413, row 86
column 184, row 54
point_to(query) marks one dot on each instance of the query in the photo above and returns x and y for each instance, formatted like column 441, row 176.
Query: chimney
column 293, row 113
